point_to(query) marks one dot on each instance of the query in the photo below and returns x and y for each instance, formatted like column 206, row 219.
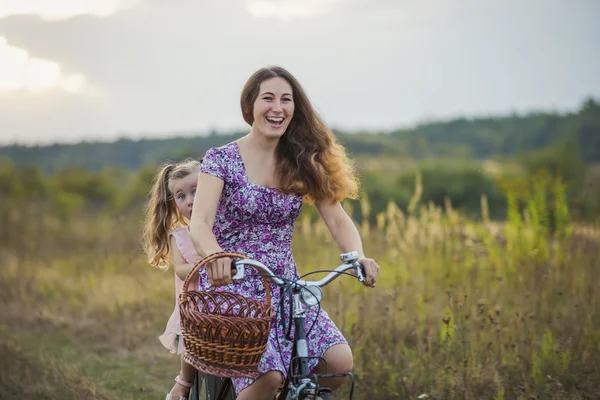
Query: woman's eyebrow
column 272, row 94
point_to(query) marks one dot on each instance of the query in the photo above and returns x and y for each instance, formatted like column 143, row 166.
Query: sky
column 73, row 70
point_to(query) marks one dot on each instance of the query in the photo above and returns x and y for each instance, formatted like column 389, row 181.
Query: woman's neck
column 257, row 143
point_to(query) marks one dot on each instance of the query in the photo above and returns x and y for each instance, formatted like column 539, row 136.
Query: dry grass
column 463, row 310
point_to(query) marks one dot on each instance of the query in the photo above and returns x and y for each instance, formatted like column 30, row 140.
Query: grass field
column 463, row 309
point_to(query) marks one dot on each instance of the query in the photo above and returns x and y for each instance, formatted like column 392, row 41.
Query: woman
column 253, row 191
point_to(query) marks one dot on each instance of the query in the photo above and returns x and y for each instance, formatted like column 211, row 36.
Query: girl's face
column 273, row 108
column 184, row 191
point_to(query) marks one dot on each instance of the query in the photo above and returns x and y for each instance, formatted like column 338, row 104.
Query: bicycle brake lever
column 239, row 271
column 360, row 271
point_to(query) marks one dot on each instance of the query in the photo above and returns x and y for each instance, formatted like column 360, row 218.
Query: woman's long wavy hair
column 310, row 161
column 161, row 213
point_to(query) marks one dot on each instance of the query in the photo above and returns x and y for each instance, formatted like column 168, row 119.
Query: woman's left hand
column 371, row 271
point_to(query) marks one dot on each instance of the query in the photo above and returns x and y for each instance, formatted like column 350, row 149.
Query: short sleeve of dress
column 185, row 245
column 215, row 163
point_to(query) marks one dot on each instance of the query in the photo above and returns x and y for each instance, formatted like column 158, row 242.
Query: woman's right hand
column 219, row 272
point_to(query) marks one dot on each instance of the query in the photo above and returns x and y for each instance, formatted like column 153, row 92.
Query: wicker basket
column 224, row 334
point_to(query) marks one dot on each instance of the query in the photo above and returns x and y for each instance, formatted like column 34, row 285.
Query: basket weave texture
column 224, row 334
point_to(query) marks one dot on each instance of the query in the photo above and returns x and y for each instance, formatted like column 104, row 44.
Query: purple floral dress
column 259, row 222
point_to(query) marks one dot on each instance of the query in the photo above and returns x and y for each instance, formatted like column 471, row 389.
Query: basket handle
column 213, row 257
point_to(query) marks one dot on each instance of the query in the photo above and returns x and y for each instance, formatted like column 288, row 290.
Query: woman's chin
column 273, row 133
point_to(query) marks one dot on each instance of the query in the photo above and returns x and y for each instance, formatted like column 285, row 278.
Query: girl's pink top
column 172, row 333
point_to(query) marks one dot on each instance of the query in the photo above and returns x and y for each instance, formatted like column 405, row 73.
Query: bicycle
column 299, row 383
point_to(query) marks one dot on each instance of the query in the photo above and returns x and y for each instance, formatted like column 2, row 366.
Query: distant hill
column 476, row 138
column 509, row 135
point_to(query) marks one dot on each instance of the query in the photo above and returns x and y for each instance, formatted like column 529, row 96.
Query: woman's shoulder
column 225, row 150
column 219, row 161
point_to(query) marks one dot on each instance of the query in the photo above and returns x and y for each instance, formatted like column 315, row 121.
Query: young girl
column 167, row 238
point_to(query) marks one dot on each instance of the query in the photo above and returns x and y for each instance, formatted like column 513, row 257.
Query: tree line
column 501, row 137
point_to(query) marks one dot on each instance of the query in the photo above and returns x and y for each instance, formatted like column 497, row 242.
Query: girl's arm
column 346, row 236
column 181, row 266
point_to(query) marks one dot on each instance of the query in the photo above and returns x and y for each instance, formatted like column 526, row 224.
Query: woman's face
column 273, row 108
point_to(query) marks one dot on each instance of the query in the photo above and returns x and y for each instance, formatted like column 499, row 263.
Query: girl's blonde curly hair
column 161, row 214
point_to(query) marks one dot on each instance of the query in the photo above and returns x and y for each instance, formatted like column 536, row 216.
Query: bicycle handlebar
column 351, row 263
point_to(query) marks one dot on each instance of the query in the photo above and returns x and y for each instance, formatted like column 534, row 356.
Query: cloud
column 19, row 71
column 180, row 65
column 286, row 10
column 55, row 10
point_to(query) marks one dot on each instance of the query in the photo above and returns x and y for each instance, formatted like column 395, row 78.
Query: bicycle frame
column 302, row 385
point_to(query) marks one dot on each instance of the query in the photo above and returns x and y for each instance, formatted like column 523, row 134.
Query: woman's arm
column 201, row 228
column 346, row 236
column 341, row 226
column 203, row 214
